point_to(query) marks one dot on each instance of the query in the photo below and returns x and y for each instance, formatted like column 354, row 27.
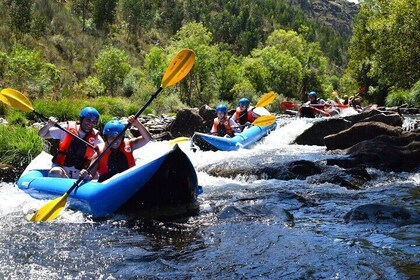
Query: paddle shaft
column 113, row 141
column 63, row 129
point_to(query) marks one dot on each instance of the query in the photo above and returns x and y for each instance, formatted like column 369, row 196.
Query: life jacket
column 116, row 161
column 222, row 128
column 73, row 152
column 244, row 117
column 316, row 101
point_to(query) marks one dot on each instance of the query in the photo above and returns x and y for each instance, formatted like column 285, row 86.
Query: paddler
column 73, row 155
column 223, row 125
column 120, row 156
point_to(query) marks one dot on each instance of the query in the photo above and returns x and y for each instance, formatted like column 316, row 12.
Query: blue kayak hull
column 169, row 181
column 207, row 142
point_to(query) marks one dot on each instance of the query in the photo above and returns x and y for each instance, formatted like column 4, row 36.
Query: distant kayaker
column 73, row 155
column 313, row 107
column 120, row 156
column 223, row 125
column 313, row 100
column 244, row 114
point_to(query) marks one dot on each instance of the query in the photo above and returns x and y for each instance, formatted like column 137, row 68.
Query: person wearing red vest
column 222, row 125
column 73, row 155
column 244, row 114
column 120, row 156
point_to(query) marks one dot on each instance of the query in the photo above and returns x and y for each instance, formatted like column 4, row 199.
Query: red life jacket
column 72, row 152
column 222, row 128
column 243, row 117
column 125, row 149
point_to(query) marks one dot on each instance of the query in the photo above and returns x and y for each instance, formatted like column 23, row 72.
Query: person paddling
column 223, row 125
column 120, row 156
column 73, row 155
column 314, row 106
column 244, row 114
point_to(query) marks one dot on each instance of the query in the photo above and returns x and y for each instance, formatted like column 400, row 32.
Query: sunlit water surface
column 254, row 242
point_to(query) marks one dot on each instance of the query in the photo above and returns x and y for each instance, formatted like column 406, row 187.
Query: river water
column 246, row 227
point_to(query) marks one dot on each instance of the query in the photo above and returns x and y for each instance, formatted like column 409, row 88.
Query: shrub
column 414, row 96
column 18, row 145
column 16, row 118
column 64, row 109
column 397, row 97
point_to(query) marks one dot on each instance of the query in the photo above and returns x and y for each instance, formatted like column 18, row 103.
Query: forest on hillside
column 81, row 49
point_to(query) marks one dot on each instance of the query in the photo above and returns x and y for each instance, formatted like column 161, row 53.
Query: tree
column 112, row 66
column 385, row 49
column 20, row 14
column 202, row 84
column 104, row 13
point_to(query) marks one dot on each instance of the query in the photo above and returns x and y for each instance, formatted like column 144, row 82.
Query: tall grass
column 18, row 145
column 397, row 97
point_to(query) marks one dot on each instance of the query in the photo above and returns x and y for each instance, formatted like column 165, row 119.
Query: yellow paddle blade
column 17, row 100
column 4, row 100
column 266, row 99
column 50, row 210
column 179, row 67
column 179, row 140
column 264, row 120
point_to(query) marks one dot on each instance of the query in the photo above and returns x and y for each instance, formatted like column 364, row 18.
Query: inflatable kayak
column 168, row 182
column 207, row 142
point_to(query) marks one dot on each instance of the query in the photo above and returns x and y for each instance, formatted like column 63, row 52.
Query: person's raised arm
column 44, row 132
column 145, row 135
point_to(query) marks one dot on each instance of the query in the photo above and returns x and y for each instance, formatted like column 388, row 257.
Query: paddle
column 287, row 105
column 266, row 99
column 179, row 140
column 15, row 99
column 261, row 121
column 178, row 68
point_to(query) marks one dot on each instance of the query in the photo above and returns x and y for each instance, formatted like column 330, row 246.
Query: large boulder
column 316, row 133
column 186, row 122
column 8, row 173
column 396, row 153
column 379, row 213
column 358, row 133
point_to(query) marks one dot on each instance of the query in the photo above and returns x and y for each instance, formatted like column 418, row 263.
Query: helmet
column 113, row 128
column 221, row 108
column 345, row 96
column 312, row 93
column 90, row 113
column 244, row 102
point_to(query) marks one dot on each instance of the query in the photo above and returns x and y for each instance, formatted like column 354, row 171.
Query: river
column 242, row 230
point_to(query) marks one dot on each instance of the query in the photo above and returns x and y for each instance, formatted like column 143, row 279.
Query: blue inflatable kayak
column 168, row 183
column 207, row 142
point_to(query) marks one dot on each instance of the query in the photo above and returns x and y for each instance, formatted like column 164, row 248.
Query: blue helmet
column 90, row 113
column 113, row 128
column 311, row 94
column 221, row 108
column 244, row 102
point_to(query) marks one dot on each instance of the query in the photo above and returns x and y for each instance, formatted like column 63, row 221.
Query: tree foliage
column 385, row 50
column 112, row 66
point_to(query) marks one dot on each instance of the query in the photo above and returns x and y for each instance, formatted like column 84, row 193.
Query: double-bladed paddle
column 178, row 68
column 16, row 99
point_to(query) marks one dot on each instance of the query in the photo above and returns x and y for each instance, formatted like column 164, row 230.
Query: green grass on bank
column 19, row 145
